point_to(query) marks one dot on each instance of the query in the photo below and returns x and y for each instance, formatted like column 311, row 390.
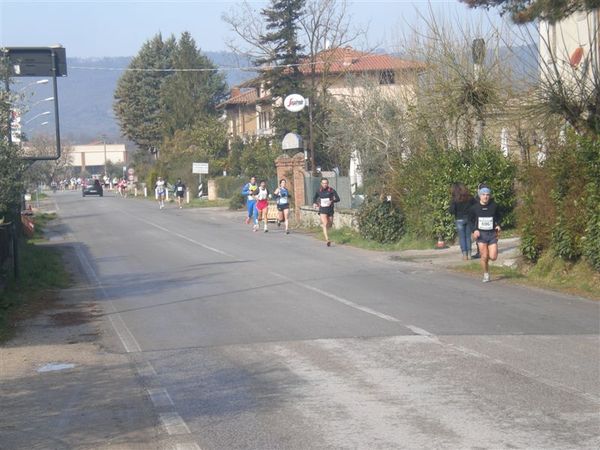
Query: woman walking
column 283, row 204
column 161, row 191
column 462, row 200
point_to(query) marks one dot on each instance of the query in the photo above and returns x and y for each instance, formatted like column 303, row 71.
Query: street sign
column 295, row 103
column 130, row 171
column 200, row 168
column 291, row 141
column 36, row 61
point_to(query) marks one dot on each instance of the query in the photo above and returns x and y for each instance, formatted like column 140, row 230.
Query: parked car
column 92, row 187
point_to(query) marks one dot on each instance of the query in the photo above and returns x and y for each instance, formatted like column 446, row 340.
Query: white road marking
column 160, row 397
column 145, row 369
column 173, row 423
column 419, row 331
column 339, row 299
column 193, row 241
column 129, row 342
column 191, row 446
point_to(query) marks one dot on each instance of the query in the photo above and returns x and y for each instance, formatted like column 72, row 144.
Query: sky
column 91, row 28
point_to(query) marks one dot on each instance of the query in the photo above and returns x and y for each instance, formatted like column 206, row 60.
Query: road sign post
column 200, row 168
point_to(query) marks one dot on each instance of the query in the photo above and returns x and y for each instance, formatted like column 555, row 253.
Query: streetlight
column 47, row 99
column 45, row 113
column 44, row 81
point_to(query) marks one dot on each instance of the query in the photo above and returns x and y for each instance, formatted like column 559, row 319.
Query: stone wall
column 307, row 217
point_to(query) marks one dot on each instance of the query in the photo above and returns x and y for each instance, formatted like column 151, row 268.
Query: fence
column 340, row 184
column 8, row 248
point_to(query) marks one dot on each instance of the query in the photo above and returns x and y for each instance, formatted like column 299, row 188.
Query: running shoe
column 486, row 278
column 328, row 243
column 255, row 228
column 266, row 230
column 287, row 231
column 247, row 220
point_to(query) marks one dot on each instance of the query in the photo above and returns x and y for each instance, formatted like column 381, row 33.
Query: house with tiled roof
column 343, row 71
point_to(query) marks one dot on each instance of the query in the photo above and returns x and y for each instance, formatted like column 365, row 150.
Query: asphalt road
column 262, row 340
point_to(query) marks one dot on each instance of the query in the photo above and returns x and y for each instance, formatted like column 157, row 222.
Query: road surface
column 262, row 340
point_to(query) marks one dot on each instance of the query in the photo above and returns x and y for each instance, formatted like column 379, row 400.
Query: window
column 387, row 77
column 263, row 120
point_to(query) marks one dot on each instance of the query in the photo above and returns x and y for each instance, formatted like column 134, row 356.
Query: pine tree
column 137, row 96
column 190, row 95
column 281, row 72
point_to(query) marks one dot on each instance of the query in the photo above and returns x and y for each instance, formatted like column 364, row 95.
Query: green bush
column 237, row 201
column 380, row 221
column 227, row 187
column 530, row 248
column 423, row 182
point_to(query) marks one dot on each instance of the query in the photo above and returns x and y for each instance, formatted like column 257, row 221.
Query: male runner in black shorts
column 324, row 199
column 179, row 192
column 485, row 220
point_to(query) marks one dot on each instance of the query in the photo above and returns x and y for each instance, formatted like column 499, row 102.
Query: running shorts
column 283, row 207
column 262, row 204
column 488, row 237
column 328, row 211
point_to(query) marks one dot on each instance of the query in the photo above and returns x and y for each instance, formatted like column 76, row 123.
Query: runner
column 179, row 192
column 160, row 191
column 262, row 205
column 283, row 204
column 486, row 223
column 249, row 191
column 324, row 199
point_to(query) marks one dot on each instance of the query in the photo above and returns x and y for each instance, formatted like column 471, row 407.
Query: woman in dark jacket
column 462, row 200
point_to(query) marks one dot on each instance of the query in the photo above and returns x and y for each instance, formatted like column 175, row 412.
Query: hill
column 86, row 94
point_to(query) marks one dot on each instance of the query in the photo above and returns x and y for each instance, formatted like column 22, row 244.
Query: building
column 343, row 72
column 93, row 157
column 570, row 49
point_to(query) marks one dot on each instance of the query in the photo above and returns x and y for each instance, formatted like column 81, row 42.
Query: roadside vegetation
column 42, row 271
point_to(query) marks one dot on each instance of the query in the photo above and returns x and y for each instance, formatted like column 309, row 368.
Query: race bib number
column 486, row 223
column 179, row 188
column 325, row 202
column 283, row 200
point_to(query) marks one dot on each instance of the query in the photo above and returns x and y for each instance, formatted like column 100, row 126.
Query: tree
column 137, row 96
column 193, row 90
column 524, row 11
column 280, row 67
column 48, row 171
column 11, row 164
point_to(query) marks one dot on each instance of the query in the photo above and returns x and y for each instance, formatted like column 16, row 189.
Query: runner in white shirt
column 160, row 191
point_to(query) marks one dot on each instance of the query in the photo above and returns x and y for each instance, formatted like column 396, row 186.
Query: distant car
column 92, row 187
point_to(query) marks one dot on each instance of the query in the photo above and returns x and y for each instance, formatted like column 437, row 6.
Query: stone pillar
column 292, row 169
column 213, row 193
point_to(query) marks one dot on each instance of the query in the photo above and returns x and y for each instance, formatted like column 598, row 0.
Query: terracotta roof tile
column 347, row 59
column 248, row 97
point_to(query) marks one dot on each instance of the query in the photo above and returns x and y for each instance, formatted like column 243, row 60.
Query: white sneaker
column 255, row 228
column 486, row 278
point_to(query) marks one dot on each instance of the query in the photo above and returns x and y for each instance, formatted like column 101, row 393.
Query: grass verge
column 348, row 236
column 549, row 273
column 41, row 271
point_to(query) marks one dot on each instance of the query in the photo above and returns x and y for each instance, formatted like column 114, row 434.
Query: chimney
column 235, row 91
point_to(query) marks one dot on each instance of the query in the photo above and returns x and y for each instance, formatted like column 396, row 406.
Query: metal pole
column 104, row 141
column 55, row 87
column 311, row 144
column 7, row 87
column 15, row 241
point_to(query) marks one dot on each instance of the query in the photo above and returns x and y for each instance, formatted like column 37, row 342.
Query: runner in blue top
column 283, row 204
column 249, row 191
